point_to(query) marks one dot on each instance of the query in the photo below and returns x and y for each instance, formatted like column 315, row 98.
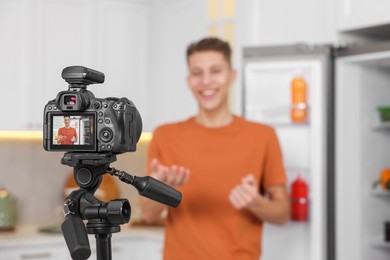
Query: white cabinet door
column 152, row 248
column 40, row 39
column 15, row 56
column 122, row 33
column 63, row 38
column 176, row 23
column 108, row 36
column 358, row 14
column 41, row 252
column 137, row 247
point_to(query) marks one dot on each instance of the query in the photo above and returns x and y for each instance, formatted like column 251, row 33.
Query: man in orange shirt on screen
column 229, row 170
column 67, row 134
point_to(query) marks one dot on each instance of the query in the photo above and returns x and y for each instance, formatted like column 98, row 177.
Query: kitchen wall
column 148, row 66
column 36, row 179
column 162, row 29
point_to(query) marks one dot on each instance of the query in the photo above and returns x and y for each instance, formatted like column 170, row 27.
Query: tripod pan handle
column 158, row 191
column 76, row 237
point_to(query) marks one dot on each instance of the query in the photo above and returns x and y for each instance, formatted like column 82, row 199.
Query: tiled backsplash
column 36, row 179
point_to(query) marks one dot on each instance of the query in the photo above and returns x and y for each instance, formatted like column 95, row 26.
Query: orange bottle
column 385, row 179
column 298, row 100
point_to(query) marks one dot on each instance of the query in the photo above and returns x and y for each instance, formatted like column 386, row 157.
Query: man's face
column 67, row 121
column 210, row 77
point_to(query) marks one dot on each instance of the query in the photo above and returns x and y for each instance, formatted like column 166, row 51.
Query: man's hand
column 275, row 208
column 61, row 138
column 246, row 193
column 173, row 176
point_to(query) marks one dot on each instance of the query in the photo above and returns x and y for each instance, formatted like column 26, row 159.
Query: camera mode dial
column 106, row 135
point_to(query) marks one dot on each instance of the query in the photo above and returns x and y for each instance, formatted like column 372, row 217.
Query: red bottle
column 299, row 200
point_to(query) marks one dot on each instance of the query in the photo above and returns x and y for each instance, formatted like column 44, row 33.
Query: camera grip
column 156, row 190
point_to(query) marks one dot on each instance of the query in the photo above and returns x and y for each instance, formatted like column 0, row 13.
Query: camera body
column 76, row 121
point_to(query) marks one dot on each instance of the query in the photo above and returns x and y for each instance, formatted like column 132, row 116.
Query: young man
column 67, row 134
column 229, row 170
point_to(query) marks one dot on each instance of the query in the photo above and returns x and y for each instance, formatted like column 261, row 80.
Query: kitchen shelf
column 277, row 115
column 380, row 192
column 291, row 124
column 378, row 241
column 381, row 125
column 378, row 124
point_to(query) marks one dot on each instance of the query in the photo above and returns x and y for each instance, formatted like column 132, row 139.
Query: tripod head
column 103, row 218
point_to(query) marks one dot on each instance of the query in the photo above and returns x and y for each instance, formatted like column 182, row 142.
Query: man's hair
column 211, row 44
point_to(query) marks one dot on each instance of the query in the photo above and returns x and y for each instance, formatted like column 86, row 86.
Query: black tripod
column 103, row 218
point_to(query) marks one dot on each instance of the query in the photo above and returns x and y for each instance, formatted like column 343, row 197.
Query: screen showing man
column 72, row 132
column 67, row 134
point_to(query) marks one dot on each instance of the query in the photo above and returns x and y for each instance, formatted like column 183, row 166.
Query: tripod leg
column 103, row 246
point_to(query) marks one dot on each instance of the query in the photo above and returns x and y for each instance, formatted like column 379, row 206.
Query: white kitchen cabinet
column 15, row 53
column 122, row 50
column 262, row 22
column 126, row 247
column 40, row 39
column 59, row 37
column 137, row 247
column 176, row 23
column 131, row 243
column 359, row 14
column 130, row 247
column 123, row 39
column 151, row 248
column 57, row 251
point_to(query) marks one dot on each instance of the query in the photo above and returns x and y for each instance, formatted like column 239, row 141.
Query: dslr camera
column 76, row 121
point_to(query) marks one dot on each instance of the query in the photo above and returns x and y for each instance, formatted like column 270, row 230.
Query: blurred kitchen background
column 140, row 47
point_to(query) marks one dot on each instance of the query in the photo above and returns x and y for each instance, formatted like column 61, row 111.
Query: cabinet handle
column 36, row 255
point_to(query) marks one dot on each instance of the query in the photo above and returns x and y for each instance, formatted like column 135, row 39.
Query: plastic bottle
column 298, row 99
column 299, row 200
column 385, row 179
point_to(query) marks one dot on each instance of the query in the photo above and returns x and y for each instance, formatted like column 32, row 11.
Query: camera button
column 106, row 135
column 108, row 147
column 100, row 121
column 96, row 105
column 49, row 107
column 105, row 105
column 100, row 113
column 108, row 121
column 103, row 146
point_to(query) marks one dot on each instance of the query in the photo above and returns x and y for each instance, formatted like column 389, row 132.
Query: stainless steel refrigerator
column 339, row 149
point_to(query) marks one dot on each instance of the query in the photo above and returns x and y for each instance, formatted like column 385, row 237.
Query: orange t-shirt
column 205, row 225
column 69, row 133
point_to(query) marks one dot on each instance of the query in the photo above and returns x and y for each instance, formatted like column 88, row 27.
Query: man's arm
column 173, row 176
column 274, row 209
column 150, row 210
column 74, row 138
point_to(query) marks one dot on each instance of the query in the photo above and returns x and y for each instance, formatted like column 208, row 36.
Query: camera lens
column 106, row 135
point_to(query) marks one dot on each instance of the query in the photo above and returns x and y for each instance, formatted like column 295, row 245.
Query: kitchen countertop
column 30, row 235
